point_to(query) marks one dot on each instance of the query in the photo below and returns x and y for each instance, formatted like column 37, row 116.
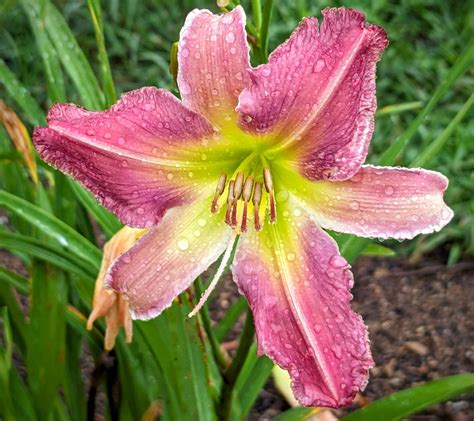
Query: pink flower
column 273, row 153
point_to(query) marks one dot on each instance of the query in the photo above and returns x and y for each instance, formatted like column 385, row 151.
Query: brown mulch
column 421, row 325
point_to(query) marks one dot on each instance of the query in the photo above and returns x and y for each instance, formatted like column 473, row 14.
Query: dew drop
column 320, row 64
column 90, row 132
column 197, row 233
column 354, row 205
column 297, row 212
column 230, row 37
column 291, row 256
column 183, row 244
column 389, row 190
column 184, row 88
column 202, row 222
column 337, row 261
column 185, row 52
column 121, row 141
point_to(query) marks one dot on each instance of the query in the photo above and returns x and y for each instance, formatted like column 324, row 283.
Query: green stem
column 232, row 373
column 257, row 13
column 221, row 359
column 267, row 15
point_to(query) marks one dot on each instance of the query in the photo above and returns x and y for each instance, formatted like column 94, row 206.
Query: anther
column 238, row 185
column 246, row 195
column 256, row 200
column 219, row 190
column 267, row 178
column 230, row 201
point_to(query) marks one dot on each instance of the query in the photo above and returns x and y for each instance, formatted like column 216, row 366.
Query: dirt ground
column 421, row 326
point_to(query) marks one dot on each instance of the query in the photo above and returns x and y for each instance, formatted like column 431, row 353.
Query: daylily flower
column 269, row 154
column 107, row 302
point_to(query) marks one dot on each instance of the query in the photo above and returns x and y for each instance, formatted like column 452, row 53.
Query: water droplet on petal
column 389, row 190
column 184, row 88
column 183, row 244
column 202, row 222
column 291, row 256
column 320, row 64
column 354, row 205
column 230, row 37
column 337, row 261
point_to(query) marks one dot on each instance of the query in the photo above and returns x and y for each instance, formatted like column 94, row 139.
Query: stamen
column 230, row 201
column 239, row 182
column 212, row 285
column 219, row 190
column 267, row 178
column 256, row 200
column 246, row 195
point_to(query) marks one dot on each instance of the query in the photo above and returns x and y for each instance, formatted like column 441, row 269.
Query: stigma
column 248, row 196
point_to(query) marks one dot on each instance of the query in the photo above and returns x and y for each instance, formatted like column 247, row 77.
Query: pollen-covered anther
column 267, row 179
column 256, row 200
column 238, row 186
column 230, row 201
column 246, row 195
column 219, row 190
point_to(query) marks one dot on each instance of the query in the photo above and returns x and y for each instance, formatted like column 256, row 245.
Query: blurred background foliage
column 54, row 51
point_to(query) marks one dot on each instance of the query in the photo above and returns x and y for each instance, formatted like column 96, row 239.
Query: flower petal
column 213, row 61
column 382, row 202
column 166, row 261
column 298, row 288
column 316, row 96
column 139, row 158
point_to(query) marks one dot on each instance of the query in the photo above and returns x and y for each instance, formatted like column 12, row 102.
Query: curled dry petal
column 140, row 158
column 169, row 258
column 107, row 302
column 20, row 138
column 316, row 96
column 298, row 286
column 213, row 64
column 382, row 202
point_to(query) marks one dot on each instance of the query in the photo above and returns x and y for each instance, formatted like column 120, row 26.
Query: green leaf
column 46, row 338
column 107, row 220
column 52, row 227
column 51, row 62
column 230, row 318
column 68, row 51
column 20, row 94
column 462, row 64
column 174, row 341
column 18, row 243
column 107, row 80
column 374, row 249
column 434, row 148
column 253, row 376
column 410, row 401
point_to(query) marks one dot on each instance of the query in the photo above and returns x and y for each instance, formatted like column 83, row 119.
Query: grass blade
column 20, row 94
column 409, row 401
column 52, row 227
column 107, row 80
column 462, row 64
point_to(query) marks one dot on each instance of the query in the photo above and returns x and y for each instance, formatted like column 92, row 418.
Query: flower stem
column 221, row 359
column 232, row 373
column 267, row 15
column 257, row 13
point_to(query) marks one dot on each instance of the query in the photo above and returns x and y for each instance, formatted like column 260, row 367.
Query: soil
column 421, row 326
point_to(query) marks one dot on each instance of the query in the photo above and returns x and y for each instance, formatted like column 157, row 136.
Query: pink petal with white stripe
column 168, row 259
column 298, row 286
column 316, row 96
column 382, row 202
column 139, row 158
column 213, row 59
